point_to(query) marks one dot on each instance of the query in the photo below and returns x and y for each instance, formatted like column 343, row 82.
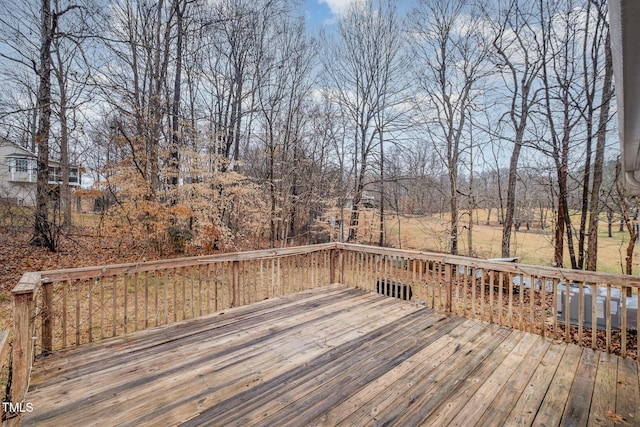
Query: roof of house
column 17, row 150
column 624, row 16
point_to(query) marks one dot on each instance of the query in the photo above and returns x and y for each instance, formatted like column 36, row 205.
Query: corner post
column 22, row 355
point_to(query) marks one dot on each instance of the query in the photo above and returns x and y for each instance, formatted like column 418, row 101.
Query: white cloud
column 339, row 6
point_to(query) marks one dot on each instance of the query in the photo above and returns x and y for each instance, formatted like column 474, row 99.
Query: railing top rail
column 117, row 269
column 563, row 274
column 29, row 281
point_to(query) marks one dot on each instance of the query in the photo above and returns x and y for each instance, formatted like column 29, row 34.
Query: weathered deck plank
column 331, row 356
column 627, row 392
column 604, row 392
column 504, row 400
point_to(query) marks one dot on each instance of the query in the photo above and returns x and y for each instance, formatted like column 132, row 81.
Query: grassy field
column 429, row 233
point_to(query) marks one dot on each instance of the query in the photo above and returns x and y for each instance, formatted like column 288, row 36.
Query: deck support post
column 236, row 284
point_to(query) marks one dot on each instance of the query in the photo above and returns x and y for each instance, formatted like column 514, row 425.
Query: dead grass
column 535, row 246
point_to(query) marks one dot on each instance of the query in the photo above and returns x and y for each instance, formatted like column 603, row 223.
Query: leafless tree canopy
column 231, row 122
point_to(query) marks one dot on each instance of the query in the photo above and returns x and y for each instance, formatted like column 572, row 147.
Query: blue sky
column 318, row 12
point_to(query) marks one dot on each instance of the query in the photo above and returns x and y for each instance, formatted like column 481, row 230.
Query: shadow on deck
column 332, row 356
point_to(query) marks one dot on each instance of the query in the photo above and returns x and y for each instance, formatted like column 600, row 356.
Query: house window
column 73, row 175
column 55, row 174
column 22, row 165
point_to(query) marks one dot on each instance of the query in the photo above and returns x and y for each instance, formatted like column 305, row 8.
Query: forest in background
column 226, row 123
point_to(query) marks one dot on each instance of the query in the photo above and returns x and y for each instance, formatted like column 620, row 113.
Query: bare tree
column 558, row 47
column 358, row 67
column 284, row 76
column 601, row 41
column 518, row 61
column 452, row 59
column 577, row 82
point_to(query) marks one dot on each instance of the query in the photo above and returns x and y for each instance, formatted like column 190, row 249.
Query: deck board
column 326, row 357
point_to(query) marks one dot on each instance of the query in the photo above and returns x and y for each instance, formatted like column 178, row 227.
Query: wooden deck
column 332, row 356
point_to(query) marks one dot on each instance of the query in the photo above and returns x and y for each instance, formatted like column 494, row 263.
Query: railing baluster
column 623, row 327
column 223, row 286
column 449, row 287
column 146, row 300
column 77, row 312
column 192, row 293
column 275, row 277
column 482, row 293
column 594, row 316
column 90, row 315
column 532, row 299
column 500, row 293
column 125, row 318
column 156, row 297
column 543, row 304
column 165, row 295
column 491, row 284
column 114, row 291
column 473, row 292
column 521, row 298
column 580, row 311
column 278, row 278
column 567, row 319
column 135, row 301
column 510, row 285
column 102, row 307
column 465, row 287
column 555, row 309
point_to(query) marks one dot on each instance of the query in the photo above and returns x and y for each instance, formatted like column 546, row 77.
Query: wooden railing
column 525, row 297
column 58, row 309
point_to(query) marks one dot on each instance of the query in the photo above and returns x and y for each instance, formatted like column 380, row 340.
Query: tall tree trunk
column 176, row 138
column 511, row 200
column 563, row 193
column 453, row 234
column 65, row 166
column 381, row 236
column 44, row 233
column 355, row 207
column 607, row 93
column 626, row 217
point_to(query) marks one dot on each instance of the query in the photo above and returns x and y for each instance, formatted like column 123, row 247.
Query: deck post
column 4, row 353
column 236, row 284
column 22, row 355
column 47, row 332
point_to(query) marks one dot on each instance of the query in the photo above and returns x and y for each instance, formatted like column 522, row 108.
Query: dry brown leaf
column 616, row 418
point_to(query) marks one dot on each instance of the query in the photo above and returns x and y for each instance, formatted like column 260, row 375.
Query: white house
column 18, row 174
